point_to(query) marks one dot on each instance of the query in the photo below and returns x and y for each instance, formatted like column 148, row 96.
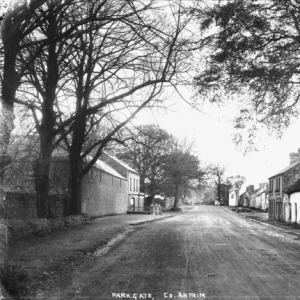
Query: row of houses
column 284, row 192
column 280, row 196
column 110, row 187
column 252, row 198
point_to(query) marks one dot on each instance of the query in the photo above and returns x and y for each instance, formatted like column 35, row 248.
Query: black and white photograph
column 149, row 149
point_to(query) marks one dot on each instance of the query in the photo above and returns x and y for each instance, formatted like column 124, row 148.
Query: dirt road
column 206, row 252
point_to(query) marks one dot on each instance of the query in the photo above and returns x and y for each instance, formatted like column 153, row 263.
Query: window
column 271, row 186
column 134, row 185
column 232, row 196
column 277, row 184
column 130, row 187
column 112, row 180
column 100, row 176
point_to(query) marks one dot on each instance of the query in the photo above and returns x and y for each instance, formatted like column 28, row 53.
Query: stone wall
column 23, row 206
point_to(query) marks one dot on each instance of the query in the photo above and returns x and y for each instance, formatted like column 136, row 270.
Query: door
column 279, row 215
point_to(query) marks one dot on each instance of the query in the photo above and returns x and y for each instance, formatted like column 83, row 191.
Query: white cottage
column 293, row 192
column 233, row 200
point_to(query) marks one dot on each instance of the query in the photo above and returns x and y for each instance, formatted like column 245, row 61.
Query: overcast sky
column 213, row 132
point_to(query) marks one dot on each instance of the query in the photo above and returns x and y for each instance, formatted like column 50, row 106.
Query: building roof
column 122, row 163
column 293, row 188
column 103, row 166
column 262, row 189
column 286, row 169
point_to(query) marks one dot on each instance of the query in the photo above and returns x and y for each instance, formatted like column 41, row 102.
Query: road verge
column 39, row 261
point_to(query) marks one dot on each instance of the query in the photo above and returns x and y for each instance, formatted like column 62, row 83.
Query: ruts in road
column 204, row 253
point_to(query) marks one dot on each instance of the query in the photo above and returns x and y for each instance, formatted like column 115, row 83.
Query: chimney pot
column 294, row 157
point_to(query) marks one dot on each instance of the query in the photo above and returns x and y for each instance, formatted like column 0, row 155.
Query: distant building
column 258, row 197
column 233, row 200
column 245, row 197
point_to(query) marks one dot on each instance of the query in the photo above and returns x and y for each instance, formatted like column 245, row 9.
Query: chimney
column 250, row 188
column 294, row 156
column 262, row 185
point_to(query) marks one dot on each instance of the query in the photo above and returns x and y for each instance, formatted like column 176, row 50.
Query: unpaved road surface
column 207, row 251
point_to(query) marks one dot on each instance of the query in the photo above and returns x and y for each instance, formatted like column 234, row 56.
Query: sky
column 212, row 132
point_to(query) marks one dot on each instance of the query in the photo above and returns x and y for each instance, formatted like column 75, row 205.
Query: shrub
column 57, row 224
column 18, row 229
column 14, row 279
column 39, row 227
column 3, row 229
column 75, row 220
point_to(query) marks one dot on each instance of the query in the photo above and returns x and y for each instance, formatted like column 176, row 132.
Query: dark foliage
column 253, row 58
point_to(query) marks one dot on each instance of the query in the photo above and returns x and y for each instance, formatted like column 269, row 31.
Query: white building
column 135, row 197
column 233, row 200
column 293, row 208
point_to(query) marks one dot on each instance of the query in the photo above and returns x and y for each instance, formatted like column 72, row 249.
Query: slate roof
column 286, row 169
column 293, row 188
column 103, row 166
column 122, row 163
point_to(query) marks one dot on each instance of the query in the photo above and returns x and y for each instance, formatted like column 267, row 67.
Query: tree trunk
column 10, row 83
column 142, row 184
column 219, row 190
column 152, row 190
column 74, row 199
column 42, row 169
column 46, row 129
column 73, row 205
column 6, row 127
column 176, row 200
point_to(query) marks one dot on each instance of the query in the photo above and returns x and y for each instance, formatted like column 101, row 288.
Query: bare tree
column 182, row 170
column 15, row 25
column 31, row 32
column 123, row 69
column 107, row 68
column 146, row 151
column 218, row 171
